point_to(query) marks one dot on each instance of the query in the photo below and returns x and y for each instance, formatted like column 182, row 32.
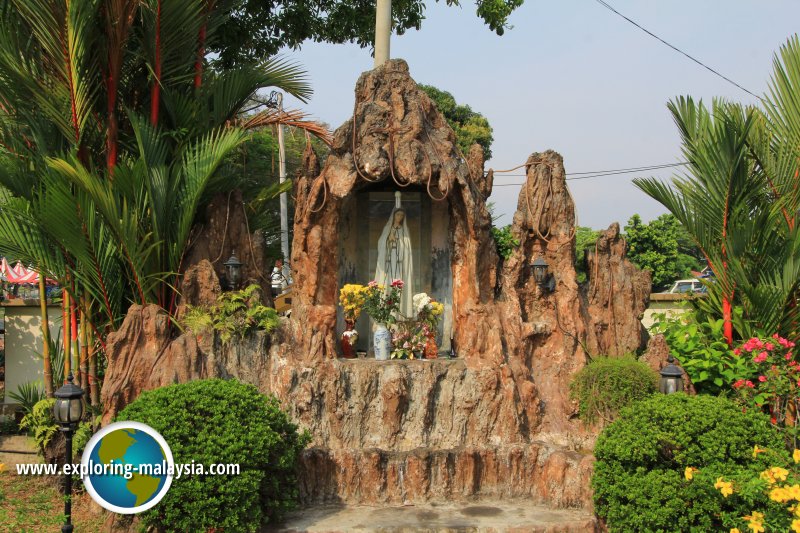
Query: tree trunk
column 66, row 329
column 48, row 369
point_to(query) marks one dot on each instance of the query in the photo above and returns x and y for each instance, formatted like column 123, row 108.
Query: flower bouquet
column 429, row 314
column 351, row 298
column 383, row 304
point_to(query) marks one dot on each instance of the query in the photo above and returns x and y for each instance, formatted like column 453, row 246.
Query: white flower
column 421, row 301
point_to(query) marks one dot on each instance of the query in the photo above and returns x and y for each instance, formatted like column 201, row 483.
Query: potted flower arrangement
column 351, row 298
column 408, row 340
column 382, row 304
column 429, row 313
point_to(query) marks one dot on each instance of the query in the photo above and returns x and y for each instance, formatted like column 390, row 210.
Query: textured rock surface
column 618, row 294
column 223, row 231
column 496, row 422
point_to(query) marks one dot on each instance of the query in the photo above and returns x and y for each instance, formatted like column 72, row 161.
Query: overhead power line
column 596, row 173
column 648, row 32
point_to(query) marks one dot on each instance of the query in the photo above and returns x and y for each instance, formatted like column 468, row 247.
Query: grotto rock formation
column 497, row 421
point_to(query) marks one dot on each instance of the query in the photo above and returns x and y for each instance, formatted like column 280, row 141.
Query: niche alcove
column 364, row 217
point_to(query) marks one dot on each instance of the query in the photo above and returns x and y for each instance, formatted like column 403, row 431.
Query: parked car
column 686, row 285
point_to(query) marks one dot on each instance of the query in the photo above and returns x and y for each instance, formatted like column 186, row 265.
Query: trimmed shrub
column 222, row 421
column 608, row 384
column 640, row 481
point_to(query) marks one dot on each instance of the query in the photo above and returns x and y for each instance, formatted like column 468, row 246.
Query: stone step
column 536, row 472
column 477, row 516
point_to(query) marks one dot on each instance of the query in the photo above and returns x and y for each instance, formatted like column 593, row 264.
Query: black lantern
column 541, row 274
column 233, row 270
column 68, row 411
column 671, row 377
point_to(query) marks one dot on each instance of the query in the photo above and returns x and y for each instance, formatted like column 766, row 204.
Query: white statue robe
column 395, row 260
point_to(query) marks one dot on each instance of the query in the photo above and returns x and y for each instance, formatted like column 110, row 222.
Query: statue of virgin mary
column 394, row 256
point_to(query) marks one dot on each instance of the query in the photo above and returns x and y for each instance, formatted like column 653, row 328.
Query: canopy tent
column 18, row 274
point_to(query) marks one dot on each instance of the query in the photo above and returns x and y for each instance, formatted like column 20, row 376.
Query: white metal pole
column 284, row 197
column 383, row 31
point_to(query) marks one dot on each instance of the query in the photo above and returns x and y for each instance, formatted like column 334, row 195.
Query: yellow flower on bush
column 757, row 450
column 796, row 525
column 735, row 530
column 780, row 495
column 689, row 472
column 793, row 491
column 756, row 521
column 725, row 487
column 796, row 455
column 774, row 474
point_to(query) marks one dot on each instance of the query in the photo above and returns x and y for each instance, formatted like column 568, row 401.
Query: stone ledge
column 548, row 475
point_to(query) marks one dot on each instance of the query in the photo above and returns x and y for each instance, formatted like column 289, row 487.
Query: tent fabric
column 18, row 273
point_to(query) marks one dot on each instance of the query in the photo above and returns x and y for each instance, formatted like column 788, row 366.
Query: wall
column 23, row 340
column 670, row 304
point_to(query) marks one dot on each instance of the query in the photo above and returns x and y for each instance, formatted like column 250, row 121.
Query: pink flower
column 397, row 283
column 769, row 346
column 788, row 357
column 762, row 379
column 798, row 382
column 372, row 284
column 737, row 351
column 792, row 363
column 760, row 358
column 738, row 384
column 749, row 383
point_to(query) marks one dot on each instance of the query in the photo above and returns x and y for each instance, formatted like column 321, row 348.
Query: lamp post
column 541, row 275
column 233, row 270
column 671, row 377
column 68, row 411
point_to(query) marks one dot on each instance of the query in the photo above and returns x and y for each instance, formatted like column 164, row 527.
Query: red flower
column 760, row 358
column 762, row 379
column 737, row 351
column 769, row 346
column 749, row 384
column 397, row 283
column 738, row 384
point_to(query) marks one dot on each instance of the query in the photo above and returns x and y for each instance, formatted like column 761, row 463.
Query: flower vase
column 431, row 350
column 349, row 339
column 382, row 342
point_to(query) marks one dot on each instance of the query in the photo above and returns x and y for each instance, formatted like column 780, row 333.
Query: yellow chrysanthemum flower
column 796, row 525
column 725, row 487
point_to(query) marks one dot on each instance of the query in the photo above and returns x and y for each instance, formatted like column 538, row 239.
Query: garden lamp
column 68, row 411
column 541, row 274
column 233, row 269
column 671, row 377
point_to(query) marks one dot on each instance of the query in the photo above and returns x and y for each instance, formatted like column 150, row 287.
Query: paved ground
column 487, row 517
column 11, row 445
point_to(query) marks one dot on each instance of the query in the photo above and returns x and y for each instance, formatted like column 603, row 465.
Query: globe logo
column 127, row 467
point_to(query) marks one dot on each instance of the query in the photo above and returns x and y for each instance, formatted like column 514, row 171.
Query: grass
column 33, row 504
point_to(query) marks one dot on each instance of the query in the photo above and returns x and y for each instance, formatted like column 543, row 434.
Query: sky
column 576, row 78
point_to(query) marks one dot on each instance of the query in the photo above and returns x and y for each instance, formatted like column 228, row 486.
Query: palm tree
column 111, row 130
column 739, row 200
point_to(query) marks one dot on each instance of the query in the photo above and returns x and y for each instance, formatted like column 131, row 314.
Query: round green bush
column 639, row 482
column 222, row 421
column 608, row 384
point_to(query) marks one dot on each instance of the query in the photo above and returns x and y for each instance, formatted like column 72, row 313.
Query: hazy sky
column 574, row 77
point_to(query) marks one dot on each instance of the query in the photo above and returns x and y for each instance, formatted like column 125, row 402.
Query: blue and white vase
column 382, row 342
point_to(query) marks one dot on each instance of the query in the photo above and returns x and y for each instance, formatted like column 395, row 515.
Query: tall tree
column 469, row 126
column 257, row 29
column 657, row 247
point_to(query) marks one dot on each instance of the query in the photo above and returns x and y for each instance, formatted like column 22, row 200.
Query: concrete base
column 482, row 516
